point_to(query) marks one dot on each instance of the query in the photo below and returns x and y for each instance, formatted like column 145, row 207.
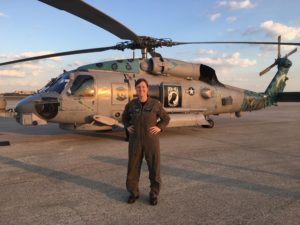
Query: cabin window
column 83, row 86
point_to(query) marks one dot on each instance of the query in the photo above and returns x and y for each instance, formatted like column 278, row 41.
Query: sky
column 30, row 28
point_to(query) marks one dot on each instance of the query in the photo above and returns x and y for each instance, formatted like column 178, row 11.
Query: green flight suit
column 141, row 142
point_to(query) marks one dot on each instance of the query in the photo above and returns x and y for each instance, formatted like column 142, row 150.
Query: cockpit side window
column 56, row 84
column 83, row 86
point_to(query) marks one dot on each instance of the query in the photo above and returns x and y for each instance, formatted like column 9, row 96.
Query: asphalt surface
column 243, row 171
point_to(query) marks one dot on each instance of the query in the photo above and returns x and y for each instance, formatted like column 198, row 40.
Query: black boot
column 132, row 199
column 153, row 199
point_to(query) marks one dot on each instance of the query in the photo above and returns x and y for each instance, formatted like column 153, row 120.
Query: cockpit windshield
column 56, row 84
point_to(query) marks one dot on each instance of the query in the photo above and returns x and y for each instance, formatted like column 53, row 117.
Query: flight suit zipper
column 141, row 125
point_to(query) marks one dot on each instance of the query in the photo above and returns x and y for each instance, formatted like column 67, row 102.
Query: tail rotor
column 268, row 68
column 278, row 47
column 278, row 57
column 291, row 52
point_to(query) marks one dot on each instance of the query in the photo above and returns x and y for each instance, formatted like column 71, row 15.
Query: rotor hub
column 145, row 42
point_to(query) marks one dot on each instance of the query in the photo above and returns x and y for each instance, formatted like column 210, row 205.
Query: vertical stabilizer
column 278, row 83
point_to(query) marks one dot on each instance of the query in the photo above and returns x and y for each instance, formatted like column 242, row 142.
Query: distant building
column 2, row 103
column 21, row 92
column 18, row 93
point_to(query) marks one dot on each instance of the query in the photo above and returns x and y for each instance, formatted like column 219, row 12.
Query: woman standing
column 140, row 118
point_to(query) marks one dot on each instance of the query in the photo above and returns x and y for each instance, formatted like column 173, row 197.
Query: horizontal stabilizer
column 288, row 97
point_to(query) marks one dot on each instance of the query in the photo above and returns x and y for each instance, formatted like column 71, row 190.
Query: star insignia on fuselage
column 190, row 91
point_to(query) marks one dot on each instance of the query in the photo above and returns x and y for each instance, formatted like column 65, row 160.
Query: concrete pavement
column 243, row 171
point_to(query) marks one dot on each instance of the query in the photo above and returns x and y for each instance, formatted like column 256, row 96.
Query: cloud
column 267, row 50
column 230, row 68
column 13, row 85
column 12, row 73
column 6, row 58
column 231, row 18
column 33, row 54
column 251, row 31
column 207, row 52
column 24, row 69
column 25, row 76
column 117, row 57
column 214, row 17
column 19, row 71
column 28, row 85
column 27, row 65
column 3, row 14
column 236, row 5
column 76, row 64
column 231, row 30
column 227, row 60
column 273, row 29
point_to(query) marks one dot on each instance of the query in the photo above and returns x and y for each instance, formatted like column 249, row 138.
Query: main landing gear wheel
column 210, row 125
column 4, row 143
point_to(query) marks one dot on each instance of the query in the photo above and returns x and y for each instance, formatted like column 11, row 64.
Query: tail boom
column 256, row 101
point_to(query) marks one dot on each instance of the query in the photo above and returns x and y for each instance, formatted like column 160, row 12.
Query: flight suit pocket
column 134, row 113
column 148, row 109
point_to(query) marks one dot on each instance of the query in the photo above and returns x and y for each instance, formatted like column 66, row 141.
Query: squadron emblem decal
column 120, row 93
column 173, row 96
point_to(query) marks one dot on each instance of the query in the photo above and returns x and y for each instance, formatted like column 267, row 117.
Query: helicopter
column 92, row 97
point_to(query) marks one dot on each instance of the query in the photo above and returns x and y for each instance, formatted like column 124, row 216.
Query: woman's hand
column 154, row 130
column 130, row 129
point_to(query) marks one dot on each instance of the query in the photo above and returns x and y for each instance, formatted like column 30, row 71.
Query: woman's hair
column 140, row 81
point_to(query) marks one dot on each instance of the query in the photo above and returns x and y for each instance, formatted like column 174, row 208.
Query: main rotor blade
column 85, row 11
column 238, row 42
column 90, row 50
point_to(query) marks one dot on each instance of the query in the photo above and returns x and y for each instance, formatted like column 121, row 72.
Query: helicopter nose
column 24, row 106
column 26, row 112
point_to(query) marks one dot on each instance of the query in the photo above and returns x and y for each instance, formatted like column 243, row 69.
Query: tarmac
column 243, row 171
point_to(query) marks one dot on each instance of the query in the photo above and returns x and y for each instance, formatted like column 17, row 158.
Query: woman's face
column 141, row 90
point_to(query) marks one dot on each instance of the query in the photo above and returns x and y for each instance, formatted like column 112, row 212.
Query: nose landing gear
column 210, row 124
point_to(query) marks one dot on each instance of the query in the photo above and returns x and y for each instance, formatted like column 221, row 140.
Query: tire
column 4, row 143
column 211, row 124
